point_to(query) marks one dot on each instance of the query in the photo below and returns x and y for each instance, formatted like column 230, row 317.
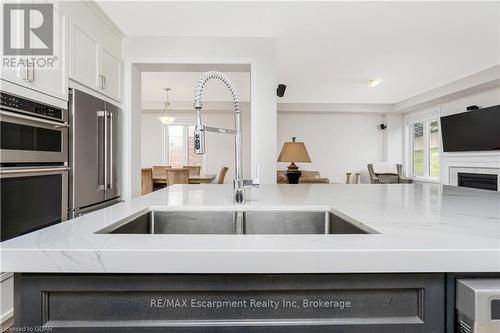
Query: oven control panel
column 27, row 106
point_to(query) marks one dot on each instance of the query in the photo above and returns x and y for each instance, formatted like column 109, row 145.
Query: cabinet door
column 84, row 59
column 111, row 70
column 53, row 81
column 14, row 74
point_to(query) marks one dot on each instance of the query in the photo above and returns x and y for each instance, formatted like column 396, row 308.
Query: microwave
column 32, row 132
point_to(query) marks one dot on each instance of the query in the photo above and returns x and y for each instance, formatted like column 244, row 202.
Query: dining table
column 201, row 179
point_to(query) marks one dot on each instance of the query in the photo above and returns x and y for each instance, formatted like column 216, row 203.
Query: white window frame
column 426, row 119
column 185, row 137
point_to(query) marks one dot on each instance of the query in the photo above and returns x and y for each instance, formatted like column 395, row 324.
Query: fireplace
column 478, row 180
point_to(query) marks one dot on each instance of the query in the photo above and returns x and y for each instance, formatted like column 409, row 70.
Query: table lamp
column 294, row 152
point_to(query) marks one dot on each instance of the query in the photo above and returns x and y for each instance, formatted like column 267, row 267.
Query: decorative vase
column 348, row 179
column 358, row 178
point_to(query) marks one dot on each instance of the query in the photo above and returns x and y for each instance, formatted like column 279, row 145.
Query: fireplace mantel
column 468, row 162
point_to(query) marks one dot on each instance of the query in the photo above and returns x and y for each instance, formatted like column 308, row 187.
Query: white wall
column 337, row 142
column 152, row 140
column 259, row 52
column 219, row 147
column 483, row 98
column 458, row 104
column 132, row 135
column 393, row 138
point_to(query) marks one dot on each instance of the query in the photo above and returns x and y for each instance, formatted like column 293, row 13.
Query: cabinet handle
column 30, row 77
column 104, row 86
column 27, row 73
column 101, row 81
column 33, row 72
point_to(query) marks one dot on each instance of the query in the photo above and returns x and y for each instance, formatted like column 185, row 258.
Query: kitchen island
column 395, row 263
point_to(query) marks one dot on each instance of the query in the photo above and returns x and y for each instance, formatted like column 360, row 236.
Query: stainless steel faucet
column 199, row 134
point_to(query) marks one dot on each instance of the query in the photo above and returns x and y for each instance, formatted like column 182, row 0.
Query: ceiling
column 327, row 51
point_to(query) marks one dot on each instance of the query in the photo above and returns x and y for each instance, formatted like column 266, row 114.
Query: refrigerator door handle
column 103, row 115
column 110, row 166
column 106, row 150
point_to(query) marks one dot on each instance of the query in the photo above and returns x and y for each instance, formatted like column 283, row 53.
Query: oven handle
column 55, row 124
column 29, row 170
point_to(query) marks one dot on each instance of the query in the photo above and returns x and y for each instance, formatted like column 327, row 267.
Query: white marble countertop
column 422, row 228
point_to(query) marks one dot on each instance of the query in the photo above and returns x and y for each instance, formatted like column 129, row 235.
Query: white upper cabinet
column 40, row 75
column 95, row 50
column 84, row 62
column 54, row 81
column 111, row 75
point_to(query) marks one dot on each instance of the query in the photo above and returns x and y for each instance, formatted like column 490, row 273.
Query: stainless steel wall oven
column 33, row 163
column 32, row 198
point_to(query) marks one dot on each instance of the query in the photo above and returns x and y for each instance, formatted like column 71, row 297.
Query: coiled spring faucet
column 199, row 134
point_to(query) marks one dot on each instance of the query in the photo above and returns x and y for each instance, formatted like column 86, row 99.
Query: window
column 434, row 161
column 418, row 149
column 179, row 143
column 175, row 146
column 425, row 148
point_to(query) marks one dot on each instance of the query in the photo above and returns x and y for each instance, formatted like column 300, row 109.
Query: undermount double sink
column 251, row 222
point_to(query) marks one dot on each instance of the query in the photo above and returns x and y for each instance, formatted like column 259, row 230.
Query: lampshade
column 166, row 120
column 294, row 152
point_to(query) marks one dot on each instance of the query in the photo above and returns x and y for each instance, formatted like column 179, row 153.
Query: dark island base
column 347, row 303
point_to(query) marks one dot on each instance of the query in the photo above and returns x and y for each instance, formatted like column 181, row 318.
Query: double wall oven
column 33, row 162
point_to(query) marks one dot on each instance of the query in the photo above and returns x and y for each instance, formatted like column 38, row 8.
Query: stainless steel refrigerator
column 94, row 154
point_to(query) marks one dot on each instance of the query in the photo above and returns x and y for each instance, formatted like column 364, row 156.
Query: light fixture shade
column 166, row 120
column 374, row 82
column 294, row 152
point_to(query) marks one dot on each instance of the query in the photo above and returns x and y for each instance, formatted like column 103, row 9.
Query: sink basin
column 297, row 222
column 230, row 222
column 162, row 222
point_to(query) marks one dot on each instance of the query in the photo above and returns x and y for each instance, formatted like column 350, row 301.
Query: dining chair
column 194, row 170
column 159, row 174
column 222, row 175
column 146, row 180
column 177, row 176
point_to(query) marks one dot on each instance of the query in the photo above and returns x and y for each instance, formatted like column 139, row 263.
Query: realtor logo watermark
column 28, row 35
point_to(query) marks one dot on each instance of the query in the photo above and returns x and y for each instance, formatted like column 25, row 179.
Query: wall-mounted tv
column 477, row 130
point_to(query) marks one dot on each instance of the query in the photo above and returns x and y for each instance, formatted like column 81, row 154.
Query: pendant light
column 165, row 119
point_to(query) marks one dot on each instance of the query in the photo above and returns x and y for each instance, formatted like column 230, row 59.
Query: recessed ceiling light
column 374, row 82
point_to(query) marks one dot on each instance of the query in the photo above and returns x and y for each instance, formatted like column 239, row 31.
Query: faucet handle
column 253, row 182
column 256, row 180
column 199, row 140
